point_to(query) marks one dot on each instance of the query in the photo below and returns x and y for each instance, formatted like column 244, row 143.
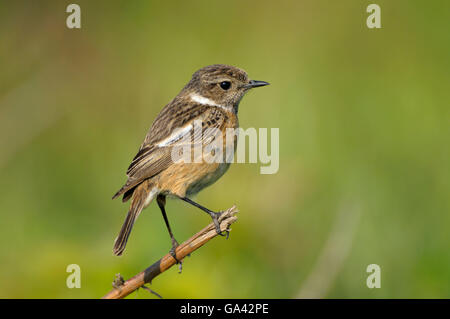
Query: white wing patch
column 181, row 132
column 176, row 136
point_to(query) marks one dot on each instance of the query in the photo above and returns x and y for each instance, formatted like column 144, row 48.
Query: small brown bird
column 211, row 98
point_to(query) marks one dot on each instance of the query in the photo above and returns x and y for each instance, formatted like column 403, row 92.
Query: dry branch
column 184, row 249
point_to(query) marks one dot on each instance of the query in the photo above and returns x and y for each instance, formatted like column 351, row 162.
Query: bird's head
column 221, row 84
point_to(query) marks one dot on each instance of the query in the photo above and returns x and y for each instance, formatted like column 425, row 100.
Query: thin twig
column 186, row 248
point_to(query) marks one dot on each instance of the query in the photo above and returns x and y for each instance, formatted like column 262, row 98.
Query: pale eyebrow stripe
column 205, row 101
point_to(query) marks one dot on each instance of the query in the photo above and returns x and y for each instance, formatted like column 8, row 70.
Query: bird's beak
column 254, row 84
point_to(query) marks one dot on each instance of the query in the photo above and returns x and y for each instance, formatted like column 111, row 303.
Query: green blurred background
column 364, row 146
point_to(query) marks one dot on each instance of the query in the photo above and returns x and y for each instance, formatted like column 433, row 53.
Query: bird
column 207, row 104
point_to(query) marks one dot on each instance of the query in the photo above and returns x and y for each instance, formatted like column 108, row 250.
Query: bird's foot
column 174, row 255
column 215, row 217
column 118, row 282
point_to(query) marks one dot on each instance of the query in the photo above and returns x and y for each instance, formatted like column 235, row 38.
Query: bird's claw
column 215, row 217
column 174, row 255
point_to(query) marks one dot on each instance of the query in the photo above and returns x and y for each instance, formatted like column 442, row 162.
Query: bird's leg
column 161, row 200
column 214, row 215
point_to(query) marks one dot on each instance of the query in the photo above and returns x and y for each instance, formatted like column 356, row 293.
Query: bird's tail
column 142, row 196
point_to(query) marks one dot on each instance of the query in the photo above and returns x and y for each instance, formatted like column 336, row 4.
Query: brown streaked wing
column 147, row 165
column 176, row 114
column 152, row 159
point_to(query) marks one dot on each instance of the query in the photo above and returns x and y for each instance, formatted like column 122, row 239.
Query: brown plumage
column 211, row 98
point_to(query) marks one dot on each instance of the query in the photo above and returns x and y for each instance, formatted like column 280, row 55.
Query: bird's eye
column 225, row 85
